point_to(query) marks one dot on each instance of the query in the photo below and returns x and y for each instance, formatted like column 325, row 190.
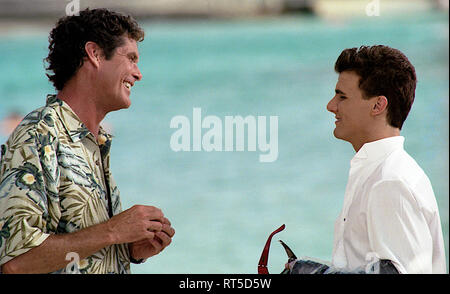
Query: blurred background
column 246, row 57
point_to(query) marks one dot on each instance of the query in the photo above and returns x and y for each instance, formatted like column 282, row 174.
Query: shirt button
column 97, row 162
column 101, row 139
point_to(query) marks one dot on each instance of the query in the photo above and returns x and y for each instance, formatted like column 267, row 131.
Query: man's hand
column 148, row 247
column 136, row 223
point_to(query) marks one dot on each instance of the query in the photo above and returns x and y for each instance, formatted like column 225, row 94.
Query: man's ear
column 93, row 52
column 380, row 105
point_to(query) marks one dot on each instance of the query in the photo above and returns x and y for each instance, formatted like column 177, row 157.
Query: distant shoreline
column 32, row 25
column 27, row 27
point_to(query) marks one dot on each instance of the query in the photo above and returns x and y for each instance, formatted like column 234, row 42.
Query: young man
column 58, row 200
column 390, row 220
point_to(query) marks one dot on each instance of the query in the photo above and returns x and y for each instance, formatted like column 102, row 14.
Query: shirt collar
column 378, row 149
column 72, row 123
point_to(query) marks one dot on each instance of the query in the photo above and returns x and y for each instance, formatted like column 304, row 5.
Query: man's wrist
column 110, row 235
column 132, row 259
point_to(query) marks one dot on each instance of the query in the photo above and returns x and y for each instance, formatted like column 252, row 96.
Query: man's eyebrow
column 133, row 55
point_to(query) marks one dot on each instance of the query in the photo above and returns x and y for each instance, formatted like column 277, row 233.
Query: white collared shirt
column 389, row 211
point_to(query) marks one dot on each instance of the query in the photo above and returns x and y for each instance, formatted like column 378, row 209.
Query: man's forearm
column 134, row 224
column 51, row 254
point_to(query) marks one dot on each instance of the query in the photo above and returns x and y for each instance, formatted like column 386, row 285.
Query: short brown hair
column 383, row 71
column 67, row 40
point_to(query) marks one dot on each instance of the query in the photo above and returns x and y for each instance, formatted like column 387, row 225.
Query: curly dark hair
column 68, row 38
column 383, row 71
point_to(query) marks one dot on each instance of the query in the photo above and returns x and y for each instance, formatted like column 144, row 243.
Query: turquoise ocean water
column 224, row 205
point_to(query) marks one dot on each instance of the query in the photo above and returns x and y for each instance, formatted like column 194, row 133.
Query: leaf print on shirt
column 74, row 167
column 5, row 231
column 84, row 265
column 29, row 177
column 7, row 185
column 79, row 133
column 41, row 114
column 65, row 226
column 52, row 98
column 49, row 163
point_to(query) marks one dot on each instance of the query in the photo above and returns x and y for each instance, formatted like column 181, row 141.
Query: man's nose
column 331, row 106
column 137, row 73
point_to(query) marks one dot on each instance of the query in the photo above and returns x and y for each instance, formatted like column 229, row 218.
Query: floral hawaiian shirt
column 54, row 179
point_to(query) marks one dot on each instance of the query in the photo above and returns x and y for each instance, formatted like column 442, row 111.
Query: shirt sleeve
column 397, row 228
column 27, row 182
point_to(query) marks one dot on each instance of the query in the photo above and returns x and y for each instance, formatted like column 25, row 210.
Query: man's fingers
column 168, row 230
column 156, row 244
column 154, row 226
column 166, row 221
column 147, row 212
column 165, row 239
column 155, row 213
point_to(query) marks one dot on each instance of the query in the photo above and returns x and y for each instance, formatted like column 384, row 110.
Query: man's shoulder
column 399, row 177
column 399, row 165
column 41, row 121
column 400, row 168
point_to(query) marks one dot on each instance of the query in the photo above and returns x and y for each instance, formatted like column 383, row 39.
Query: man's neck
column 83, row 103
column 377, row 135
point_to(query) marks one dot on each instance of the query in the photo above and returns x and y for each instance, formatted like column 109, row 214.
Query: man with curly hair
column 58, row 200
column 390, row 220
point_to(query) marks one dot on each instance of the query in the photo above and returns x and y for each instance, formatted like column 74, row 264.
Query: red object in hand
column 262, row 265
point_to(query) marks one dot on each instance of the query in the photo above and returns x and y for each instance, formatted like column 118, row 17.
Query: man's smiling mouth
column 128, row 85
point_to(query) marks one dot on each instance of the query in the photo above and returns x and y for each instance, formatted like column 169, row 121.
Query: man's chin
column 338, row 135
column 119, row 107
column 126, row 103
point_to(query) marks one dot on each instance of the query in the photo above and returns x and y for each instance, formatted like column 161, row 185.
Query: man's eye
column 342, row 97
